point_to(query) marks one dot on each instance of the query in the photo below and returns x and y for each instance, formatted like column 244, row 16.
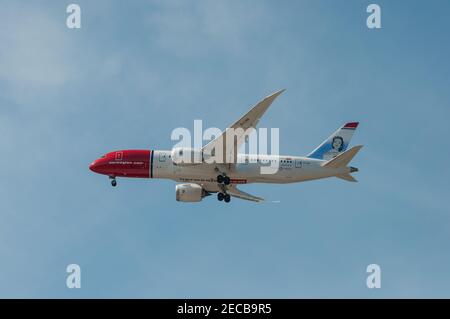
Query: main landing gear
column 113, row 181
column 222, row 179
column 224, row 197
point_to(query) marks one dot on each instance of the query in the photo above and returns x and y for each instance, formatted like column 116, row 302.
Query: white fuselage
column 291, row 169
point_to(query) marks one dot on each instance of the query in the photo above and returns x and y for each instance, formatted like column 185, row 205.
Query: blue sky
column 137, row 70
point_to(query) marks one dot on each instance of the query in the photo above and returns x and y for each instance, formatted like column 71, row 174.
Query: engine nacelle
column 189, row 192
column 185, row 156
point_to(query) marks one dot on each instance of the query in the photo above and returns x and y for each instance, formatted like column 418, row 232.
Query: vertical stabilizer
column 336, row 144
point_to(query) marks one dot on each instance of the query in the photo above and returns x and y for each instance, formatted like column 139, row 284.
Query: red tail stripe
column 351, row 125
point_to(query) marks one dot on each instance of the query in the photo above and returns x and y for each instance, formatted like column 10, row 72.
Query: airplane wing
column 230, row 189
column 233, row 191
column 249, row 120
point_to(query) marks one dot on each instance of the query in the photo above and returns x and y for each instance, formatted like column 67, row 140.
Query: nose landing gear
column 113, row 181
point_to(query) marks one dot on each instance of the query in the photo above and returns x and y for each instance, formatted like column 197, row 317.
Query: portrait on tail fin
column 336, row 143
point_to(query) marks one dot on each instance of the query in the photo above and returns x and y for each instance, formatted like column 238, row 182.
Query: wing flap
column 232, row 190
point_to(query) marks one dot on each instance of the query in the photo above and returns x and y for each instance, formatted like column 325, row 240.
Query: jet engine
column 189, row 192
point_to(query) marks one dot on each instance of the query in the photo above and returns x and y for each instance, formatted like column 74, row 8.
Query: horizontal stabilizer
column 344, row 158
column 347, row 177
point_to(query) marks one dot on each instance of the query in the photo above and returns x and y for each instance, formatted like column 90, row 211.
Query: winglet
column 270, row 98
column 277, row 93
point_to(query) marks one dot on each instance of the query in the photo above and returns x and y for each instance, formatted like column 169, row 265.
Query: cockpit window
column 104, row 156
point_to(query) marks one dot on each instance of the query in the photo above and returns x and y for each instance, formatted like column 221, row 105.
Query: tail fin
column 343, row 159
column 336, row 143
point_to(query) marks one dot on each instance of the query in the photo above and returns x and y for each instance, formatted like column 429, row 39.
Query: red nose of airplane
column 124, row 163
column 93, row 166
column 100, row 165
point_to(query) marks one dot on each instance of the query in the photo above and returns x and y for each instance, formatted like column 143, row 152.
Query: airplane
column 202, row 178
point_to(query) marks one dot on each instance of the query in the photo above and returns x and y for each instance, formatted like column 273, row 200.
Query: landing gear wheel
column 113, row 182
column 227, row 198
column 220, row 196
column 219, row 179
column 226, row 180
